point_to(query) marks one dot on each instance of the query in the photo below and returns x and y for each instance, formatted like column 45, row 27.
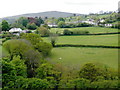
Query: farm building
column 52, row 25
column 15, row 31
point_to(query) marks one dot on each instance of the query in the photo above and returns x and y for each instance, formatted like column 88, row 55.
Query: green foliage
column 53, row 38
column 106, row 84
column 78, row 83
column 12, row 70
column 33, row 38
column 70, row 25
column 94, row 72
column 6, row 34
column 46, row 26
column 44, row 48
column 78, row 32
column 20, row 67
column 74, row 32
column 33, row 60
column 31, row 26
column 26, row 51
column 43, row 31
column 48, row 71
column 8, row 71
column 17, row 47
column 27, row 83
column 39, row 21
column 90, row 71
column 83, row 25
column 5, row 25
column 60, row 19
column 32, row 83
column 67, row 32
column 17, row 25
column 61, row 24
column 23, row 21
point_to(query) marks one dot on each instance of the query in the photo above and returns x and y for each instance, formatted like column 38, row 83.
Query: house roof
column 15, row 30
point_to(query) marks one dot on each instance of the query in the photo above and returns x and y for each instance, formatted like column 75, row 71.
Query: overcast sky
column 16, row 7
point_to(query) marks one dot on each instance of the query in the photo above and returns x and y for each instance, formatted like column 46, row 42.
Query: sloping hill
column 48, row 14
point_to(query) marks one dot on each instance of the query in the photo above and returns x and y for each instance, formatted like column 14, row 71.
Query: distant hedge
column 74, row 32
column 98, row 46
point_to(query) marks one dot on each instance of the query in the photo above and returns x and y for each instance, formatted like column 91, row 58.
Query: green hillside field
column 73, row 57
column 105, row 40
column 92, row 30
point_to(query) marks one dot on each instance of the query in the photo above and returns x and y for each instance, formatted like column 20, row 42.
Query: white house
column 15, row 31
column 108, row 25
column 52, row 25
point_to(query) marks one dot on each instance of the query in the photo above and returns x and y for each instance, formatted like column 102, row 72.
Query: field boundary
column 93, row 34
column 92, row 46
column 88, row 34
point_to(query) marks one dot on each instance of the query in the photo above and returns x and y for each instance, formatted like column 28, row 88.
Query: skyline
column 15, row 7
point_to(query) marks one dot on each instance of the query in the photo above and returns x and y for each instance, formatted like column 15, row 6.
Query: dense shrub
column 33, row 38
column 67, row 32
column 31, row 83
column 16, row 47
column 47, row 70
column 31, row 26
column 74, row 32
column 95, row 72
column 85, row 84
column 44, row 48
column 43, row 31
column 61, row 24
column 37, row 42
column 78, row 83
column 12, row 70
column 20, row 67
column 83, row 25
column 27, row 83
column 25, row 50
column 106, row 84
column 6, row 34
column 53, row 38
column 78, row 32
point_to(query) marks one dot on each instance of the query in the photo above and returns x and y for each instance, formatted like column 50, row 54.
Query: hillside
column 48, row 14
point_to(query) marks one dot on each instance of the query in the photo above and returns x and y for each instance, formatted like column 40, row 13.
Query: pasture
column 73, row 57
column 92, row 30
column 105, row 40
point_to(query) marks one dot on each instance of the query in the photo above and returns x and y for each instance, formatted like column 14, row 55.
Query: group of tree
column 46, row 76
column 25, row 67
column 23, row 23
column 43, row 30
column 73, row 25
column 5, row 25
column 75, row 32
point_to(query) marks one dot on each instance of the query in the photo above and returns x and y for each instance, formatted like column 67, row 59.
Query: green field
column 75, row 57
column 92, row 30
column 106, row 40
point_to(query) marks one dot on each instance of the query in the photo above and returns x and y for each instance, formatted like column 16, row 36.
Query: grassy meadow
column 73, row 57
column 92, row 30
column 106, row 40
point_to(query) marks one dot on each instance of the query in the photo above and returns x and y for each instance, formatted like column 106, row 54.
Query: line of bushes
column 85, row 32
column 74, row 32
column 94, row 46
